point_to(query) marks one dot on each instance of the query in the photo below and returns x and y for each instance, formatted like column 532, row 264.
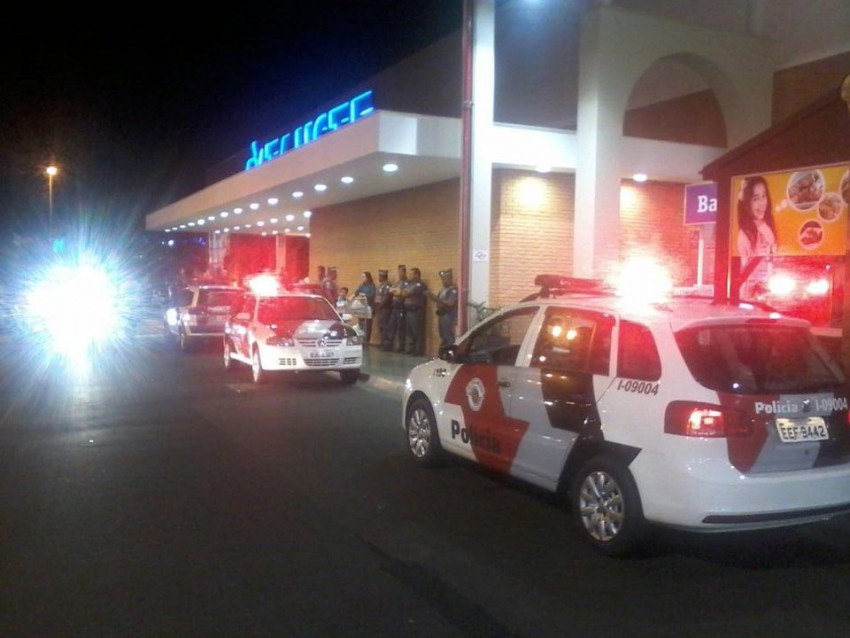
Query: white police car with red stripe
column 275, row 330
column 686, row 413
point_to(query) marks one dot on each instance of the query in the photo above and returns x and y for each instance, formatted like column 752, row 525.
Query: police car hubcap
column 601, row 503
column 419, row 433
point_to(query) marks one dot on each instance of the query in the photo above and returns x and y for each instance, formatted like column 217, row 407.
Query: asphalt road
column 158, row 495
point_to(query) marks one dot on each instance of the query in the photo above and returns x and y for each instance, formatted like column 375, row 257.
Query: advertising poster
column 793, row 213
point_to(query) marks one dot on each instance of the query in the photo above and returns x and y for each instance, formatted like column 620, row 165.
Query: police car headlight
column 354, row 340
column 280, row 341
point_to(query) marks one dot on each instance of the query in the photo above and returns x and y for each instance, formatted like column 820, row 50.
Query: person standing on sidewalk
column 397, row 327
column 446, row 302
column 383, row 309
column 366, row 291
column 414, row 296
column 330, row 289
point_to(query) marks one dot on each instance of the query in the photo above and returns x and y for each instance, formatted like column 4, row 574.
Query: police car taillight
column 687, row 418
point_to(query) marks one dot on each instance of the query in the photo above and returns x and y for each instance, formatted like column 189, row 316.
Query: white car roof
column 675, row 313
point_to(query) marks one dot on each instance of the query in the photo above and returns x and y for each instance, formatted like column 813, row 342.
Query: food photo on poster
column 796, row 222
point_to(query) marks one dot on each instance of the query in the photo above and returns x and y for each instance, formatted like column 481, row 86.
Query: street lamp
column 51, row 173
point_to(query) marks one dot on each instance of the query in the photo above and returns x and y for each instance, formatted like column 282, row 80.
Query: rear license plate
column 811, row 428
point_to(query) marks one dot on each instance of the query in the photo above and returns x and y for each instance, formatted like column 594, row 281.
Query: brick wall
column 415, row 227
column 533, row 215
column 652, row 224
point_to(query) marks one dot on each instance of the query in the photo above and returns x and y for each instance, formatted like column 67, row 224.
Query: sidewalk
column 387, row 371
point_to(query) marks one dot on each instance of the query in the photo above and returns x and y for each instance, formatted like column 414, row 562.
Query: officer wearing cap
column 446, row 302
column 397, row 324
column 414, row 295
column 383, row 308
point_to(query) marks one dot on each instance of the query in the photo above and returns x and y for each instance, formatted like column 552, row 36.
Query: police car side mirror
column 448, row 353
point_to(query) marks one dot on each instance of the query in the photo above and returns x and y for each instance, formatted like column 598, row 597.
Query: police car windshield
column 216, row 298
column 758, row 358
column 276, row 309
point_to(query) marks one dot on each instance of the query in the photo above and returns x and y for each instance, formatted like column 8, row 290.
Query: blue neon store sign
column 329, row 121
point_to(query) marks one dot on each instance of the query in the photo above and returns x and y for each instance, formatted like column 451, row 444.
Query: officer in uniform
column 383, row 308
column 446, row 301
column 414, row 295
column 397, row 327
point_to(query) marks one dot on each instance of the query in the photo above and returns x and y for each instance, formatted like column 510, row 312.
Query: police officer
column 414, row 295
column 446, row 301
column 397, row 327
column 383, row 308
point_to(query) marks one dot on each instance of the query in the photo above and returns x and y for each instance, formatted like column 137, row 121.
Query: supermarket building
column 564, row 124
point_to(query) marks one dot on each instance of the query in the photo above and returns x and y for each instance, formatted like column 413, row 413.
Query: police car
column 198, row 314
column 284, row 331
column 683, row 412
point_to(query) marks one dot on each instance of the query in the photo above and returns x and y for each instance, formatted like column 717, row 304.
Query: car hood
column 313, row 329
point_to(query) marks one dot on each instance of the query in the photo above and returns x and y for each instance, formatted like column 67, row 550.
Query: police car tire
column 229, row 364
column 183, row 341
column 423, row 440
column 606, row 507
column 168, row 338
column 258, row 375
column 349, row 376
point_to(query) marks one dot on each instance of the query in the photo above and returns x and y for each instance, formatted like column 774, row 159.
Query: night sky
column 134, row 109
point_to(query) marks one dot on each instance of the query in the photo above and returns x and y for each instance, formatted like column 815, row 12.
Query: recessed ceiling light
column 300, row 228
column 298, row 194
column 223, row 213
column 320, row 188
column 272, row 201
column 253, row 205
column 238, row 211
column 261, row 223
column 273, row 220
column 390, row 167
column 211, row 218
column 290, row 217
column 348, row 179
column 640, row 177
column 308, row 214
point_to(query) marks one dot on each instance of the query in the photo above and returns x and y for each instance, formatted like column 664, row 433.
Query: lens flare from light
column 643, row 280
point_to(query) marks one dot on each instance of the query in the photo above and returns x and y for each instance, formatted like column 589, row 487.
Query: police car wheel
column 606, row 506
column 257, row 373
column 348, row 376
column 183, row 341
column 422, row 437
column 167, row 337
column 228, row 361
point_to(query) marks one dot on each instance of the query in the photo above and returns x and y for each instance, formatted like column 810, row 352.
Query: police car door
column 241, row 321
column 556, row 392
column 479, row 391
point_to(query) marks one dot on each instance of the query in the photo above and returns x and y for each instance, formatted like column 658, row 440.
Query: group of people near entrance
column 398, row 308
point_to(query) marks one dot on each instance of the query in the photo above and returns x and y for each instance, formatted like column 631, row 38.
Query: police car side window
column 573, row 340
column 499, row 341
column 637, row 355
column 184, row 297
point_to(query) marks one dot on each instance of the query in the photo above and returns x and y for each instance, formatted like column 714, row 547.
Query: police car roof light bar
column 556, row 285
